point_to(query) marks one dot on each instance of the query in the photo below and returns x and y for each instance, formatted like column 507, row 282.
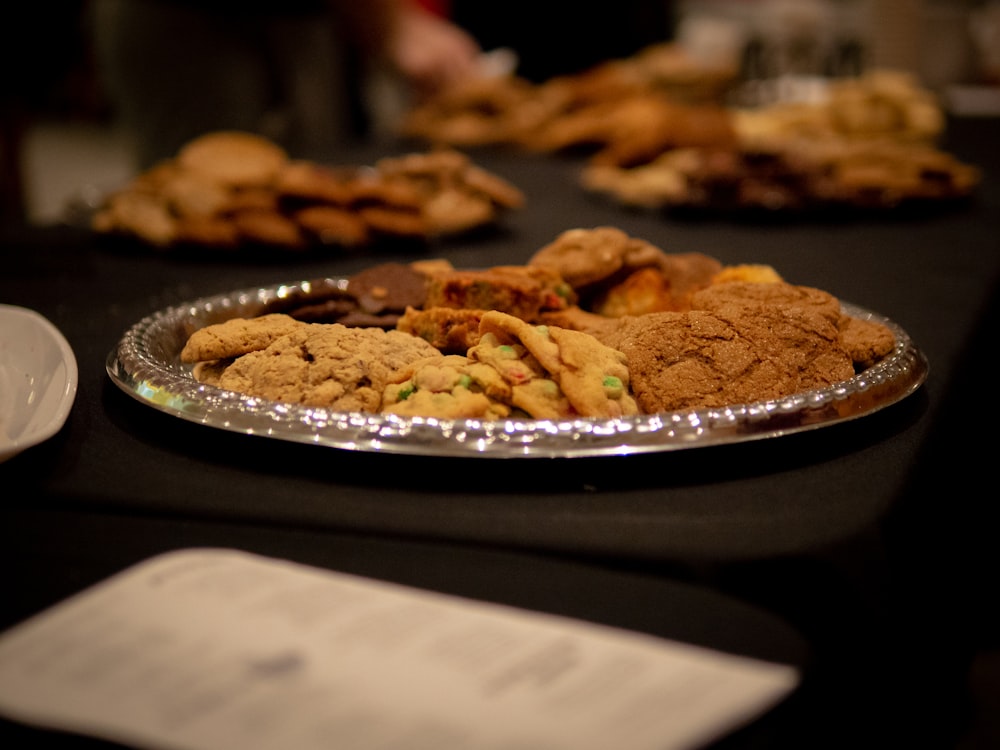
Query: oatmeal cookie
column 210, row 372
column 236, row 337
column 326, row 365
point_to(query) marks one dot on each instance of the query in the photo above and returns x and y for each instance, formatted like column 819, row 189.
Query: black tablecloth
column 862, row 551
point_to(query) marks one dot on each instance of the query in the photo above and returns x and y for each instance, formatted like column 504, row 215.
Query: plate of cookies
column 234, row 191
column 601, row 344
column 649, row 139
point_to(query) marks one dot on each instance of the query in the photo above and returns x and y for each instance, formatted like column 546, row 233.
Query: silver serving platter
column 146, row 365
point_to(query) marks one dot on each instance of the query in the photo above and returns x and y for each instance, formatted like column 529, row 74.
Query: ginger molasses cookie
column 733, row 355
column 866, row 341
column 773, row 294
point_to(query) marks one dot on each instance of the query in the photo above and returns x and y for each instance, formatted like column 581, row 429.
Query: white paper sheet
column 208, row 649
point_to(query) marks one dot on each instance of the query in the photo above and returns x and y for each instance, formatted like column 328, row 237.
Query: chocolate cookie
column 388, row 287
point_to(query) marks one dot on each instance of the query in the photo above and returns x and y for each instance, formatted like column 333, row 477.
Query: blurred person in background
column 564, row 37
column 291, row 70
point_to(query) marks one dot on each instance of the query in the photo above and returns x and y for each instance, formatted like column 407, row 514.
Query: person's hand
column 430, row 51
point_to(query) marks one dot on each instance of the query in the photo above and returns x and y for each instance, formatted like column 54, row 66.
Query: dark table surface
column 863, row 552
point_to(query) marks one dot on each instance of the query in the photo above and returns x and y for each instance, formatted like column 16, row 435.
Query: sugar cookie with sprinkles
column 593, row 377
column 448, row 387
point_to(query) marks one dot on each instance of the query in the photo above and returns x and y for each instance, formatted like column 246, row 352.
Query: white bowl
column 38, row 380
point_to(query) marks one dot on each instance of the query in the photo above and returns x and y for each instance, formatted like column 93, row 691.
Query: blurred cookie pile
column 230, row 190
column 869, row 143
column 657, row 132
column 656, row 99
column 596, row 324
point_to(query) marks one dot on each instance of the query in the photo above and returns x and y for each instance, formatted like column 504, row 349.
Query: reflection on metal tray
column 146, row 365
